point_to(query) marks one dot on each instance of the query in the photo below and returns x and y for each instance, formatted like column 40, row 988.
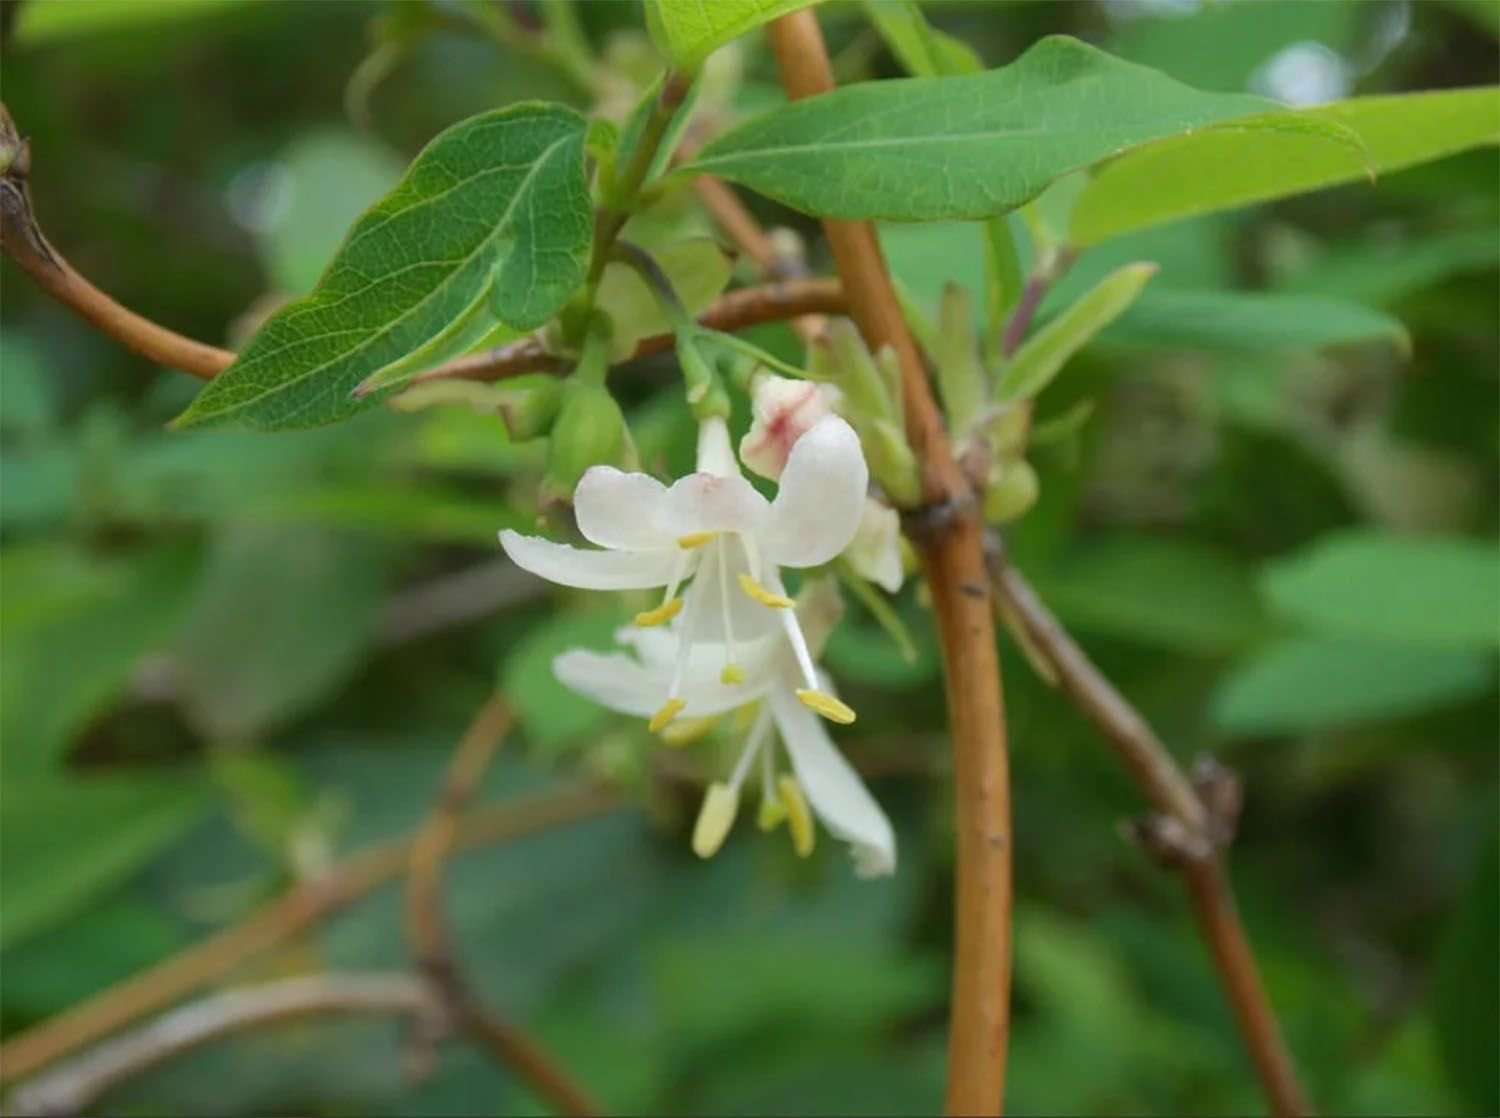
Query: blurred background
column 229, row 659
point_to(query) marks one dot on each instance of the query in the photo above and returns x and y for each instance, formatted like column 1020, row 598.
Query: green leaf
column 1171, row 593
column 1379, row 271
column 551, row 715
column 281, row 616
column 1259, row 159
column 688, row 31
column 72, row 628
column 1418, row 590
column 971, row 146
column 494, row 208
column 1044, row 354
column 1251, row 322
column 48, row 22
column 698, row 269
column 1318, row 683
column 62, row 841
column 922, row 51
column 1465, row 979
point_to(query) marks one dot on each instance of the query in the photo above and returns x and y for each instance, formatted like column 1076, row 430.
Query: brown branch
column 22, row 239
column 276, row 923
column 953, row 559
column 428, row 935
column 1187, row 834
column 734, row 310
column 78, row 1084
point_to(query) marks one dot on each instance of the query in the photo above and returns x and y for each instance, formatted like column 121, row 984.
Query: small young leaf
column 971, row 146
column 496, row 204
column 922, row 51
column 1251, row 322
column 1278, row 155
column 1043, row 356
column 688, row 31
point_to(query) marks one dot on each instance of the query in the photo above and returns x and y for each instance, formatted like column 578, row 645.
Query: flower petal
column 822, row 496
column 589, row 570
column 623, row 683
column 712, row 503
column 875, row 553
column 835, row 791
column 620, row 510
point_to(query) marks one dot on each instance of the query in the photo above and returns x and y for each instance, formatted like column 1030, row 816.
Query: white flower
column 712, row 526
column 823, row 780
column 875, row 552
column 783, row 411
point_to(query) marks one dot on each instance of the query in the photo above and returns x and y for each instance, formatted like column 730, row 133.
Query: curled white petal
column 623, row 683
column 589, row 570
column 822, row 495
column 620, row 510
column 875, row 552
column 705, row 502
column 784, row 410
column 834, row 790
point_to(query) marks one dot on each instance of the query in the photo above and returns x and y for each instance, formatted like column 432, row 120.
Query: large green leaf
column 281, row 617
column 1251, row 322
column 688, row 31
column 491, row 223
column 1259, row 159
column 72, row 628
column 63, row 841
column 970, row 146
column 1411, row 589
column 1315, row 683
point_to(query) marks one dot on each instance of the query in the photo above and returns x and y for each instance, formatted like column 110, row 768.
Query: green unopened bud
column 842, row 358
column 589, row 431
column 1012, row 490
column 960, row 375
column 892, row 462
column 530, row 409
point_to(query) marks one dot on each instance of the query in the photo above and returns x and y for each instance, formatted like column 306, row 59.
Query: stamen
column 732, row 674
column 760, row 594
column 695, row 539
column 662, row 613
column 826, row 705
column 668, row 711
column 799, row 818
column 721, row 804
column 771, row 814
column 753, row 742
column 799, row 648
column 685, row 731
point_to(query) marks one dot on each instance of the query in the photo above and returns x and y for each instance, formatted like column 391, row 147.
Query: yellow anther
column 667, row 712
column 826, row 705
column 799, row 819
column 695, row 539
column 720, row 805
column 732, row 673
column 662, row 613
column 685, row 731
column 760, row 594
column 771, row 815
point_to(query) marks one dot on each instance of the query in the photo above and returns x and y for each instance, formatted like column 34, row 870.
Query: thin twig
column 22, row 239
column 732, row 311
column 173, row 979
column 1193, row 841
column 79, row 1084
column 427, row 931
column 953, row 559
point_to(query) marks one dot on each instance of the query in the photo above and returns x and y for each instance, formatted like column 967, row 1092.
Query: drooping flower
column 822, row 783
column 783, row 410
column 714, row 528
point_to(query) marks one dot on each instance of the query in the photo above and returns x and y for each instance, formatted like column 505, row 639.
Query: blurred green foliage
column 1275, row 532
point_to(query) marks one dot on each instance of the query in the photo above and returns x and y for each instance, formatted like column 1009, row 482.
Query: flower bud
column 960, row 375
column 892, row 462
column 529, row 410
column 1012, row 490
column 589, row 431
column 784, row 410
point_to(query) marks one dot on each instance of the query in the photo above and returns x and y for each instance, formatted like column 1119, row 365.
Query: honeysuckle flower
column 714, row 528
column 875, row 551
column 821, row 782
column 783, row 410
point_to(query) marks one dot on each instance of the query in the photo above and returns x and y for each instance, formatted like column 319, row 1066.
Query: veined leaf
column 923, row 51
column 971, row 146
column 494, row 210
column 1251, row 322
column 1043, row 356
column 688, row 31
column 1416, row 590
column 1259, row 159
